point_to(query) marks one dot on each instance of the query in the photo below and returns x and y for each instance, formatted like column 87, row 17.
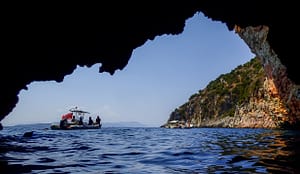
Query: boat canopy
column 79, row 111
column 67, row 116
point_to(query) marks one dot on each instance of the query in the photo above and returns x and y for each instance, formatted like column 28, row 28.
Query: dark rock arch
column 47, row 41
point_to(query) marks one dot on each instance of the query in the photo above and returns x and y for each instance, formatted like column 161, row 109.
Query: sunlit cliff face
column 279, row 85
column 47, row 41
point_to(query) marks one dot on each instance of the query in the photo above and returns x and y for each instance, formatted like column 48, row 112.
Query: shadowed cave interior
column 48, row 42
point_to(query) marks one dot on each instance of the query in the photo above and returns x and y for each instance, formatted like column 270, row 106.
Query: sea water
column 148, row 150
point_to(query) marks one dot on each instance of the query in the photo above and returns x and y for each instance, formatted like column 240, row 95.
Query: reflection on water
column 282, row 150
column 149, row 150
column 276, row 151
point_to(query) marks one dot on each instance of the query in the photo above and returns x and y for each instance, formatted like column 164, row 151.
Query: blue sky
column 160, row 76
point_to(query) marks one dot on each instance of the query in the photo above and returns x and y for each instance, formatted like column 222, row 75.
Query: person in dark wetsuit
column 91, row 122
column 80, row 121
column 63, row 124
column 98, row 120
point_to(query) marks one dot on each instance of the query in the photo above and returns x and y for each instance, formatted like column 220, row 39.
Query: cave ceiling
column 46, row 41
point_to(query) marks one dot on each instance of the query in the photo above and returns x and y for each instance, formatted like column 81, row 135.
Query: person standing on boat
column 91, row 121
column 74, row 120
column 80, row 121
column 63, row 123
column 98, row 120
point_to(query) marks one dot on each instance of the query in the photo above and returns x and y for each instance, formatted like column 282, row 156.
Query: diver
column 91, row 122
column 63, row 124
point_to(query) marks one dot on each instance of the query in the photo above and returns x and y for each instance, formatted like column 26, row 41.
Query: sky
column 160, row 76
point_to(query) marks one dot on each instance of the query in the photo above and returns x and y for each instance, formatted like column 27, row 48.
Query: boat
column 74, row 119
column 178, row 124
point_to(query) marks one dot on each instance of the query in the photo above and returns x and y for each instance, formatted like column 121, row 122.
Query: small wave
column 153, row 150
column 46, row 160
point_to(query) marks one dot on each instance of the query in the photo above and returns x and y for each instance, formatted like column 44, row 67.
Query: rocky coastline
column 244, row 98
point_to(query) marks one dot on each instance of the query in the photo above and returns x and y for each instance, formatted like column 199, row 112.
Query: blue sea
column 148, row 150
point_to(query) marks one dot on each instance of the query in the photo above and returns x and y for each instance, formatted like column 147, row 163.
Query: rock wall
column 49, row 42
column 264, row 110
column 280, row 87
column 247, row 97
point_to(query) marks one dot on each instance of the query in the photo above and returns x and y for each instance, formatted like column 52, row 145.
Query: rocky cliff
column 243, row 98
column 281, row 86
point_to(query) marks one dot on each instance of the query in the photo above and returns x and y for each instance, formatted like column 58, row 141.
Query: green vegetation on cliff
column 223, row 95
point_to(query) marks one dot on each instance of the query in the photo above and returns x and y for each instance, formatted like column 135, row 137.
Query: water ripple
column 149, row 150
